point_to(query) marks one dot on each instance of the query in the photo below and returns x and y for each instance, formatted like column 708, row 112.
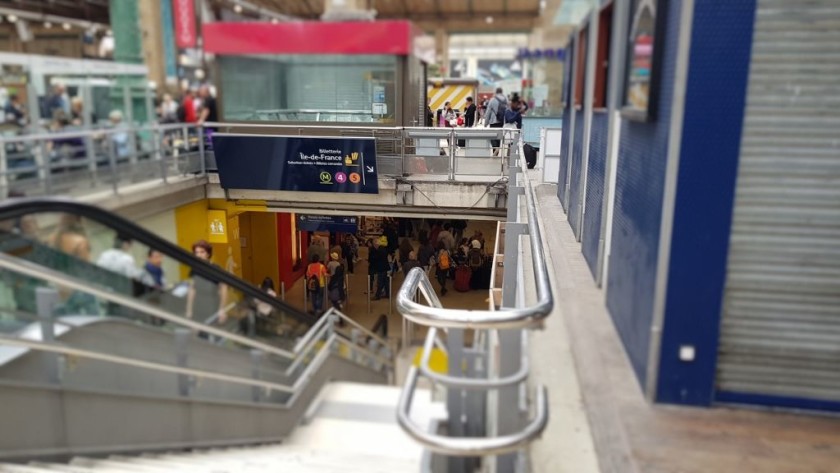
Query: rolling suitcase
column 463, row 274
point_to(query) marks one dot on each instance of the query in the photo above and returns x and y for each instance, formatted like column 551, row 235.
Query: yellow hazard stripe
column 456, row 94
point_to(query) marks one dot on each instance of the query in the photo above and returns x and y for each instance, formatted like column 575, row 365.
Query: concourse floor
column 596, row 402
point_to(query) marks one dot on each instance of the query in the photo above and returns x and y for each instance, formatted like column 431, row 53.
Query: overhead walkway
column 421, row 170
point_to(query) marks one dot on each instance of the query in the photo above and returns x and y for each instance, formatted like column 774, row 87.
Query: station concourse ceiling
column 453, row 16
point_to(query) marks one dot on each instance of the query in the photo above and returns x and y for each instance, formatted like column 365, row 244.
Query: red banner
column 183, row 13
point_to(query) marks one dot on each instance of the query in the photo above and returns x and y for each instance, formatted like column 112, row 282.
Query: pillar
column 128, row 48
column 442, row 50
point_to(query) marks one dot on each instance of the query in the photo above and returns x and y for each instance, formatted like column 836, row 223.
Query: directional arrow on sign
column 369, row 168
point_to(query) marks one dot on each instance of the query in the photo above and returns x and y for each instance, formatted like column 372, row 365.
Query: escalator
column 96, row 360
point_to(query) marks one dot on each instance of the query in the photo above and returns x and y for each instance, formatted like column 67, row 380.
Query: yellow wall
column 191, row 226
column 259, row 255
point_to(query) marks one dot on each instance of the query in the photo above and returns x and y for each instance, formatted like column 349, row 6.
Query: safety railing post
column 46, row 299
column 4, row 181
column 160, row 153
column 283, row 291
column 452, row 143
column 42, row 161
column 390, row 295
column 201, row 151
column 112, row 163
column 256, row 373
column 370, row 289
column 182, row 341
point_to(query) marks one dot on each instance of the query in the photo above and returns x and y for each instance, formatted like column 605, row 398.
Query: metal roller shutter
column 780, row 332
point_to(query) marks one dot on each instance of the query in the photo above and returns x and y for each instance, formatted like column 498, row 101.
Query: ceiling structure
column 95, row 11
column 454, row 16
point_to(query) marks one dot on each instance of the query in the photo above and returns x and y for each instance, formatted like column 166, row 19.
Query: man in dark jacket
column 379, row 262
column 469, row 113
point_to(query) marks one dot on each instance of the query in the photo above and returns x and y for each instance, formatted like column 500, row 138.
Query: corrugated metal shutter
column 780, row 333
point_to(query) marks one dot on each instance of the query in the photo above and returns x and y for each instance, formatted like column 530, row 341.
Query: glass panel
column 96, row 254
column 304, row 88
column 78, row 321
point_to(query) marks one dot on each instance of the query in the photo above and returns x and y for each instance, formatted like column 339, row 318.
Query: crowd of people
column 497, row 112
column 441, row 249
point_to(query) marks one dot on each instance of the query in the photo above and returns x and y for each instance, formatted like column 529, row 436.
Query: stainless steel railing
column 99, row 159
column 437, row 318
column 72, row 162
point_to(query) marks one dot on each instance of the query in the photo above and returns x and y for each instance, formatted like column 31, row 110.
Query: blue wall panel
column 575, row 183
column 716, row 90
column 638, row 209
column 564, row 158
column 595, row 190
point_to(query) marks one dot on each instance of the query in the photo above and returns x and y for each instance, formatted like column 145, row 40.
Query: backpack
column 501, row 108
column 337, row 279
column 475, row 259
column 313, row 283
column 443, row 260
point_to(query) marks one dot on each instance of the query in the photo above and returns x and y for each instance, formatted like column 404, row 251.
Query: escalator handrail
column 34, row 270
column 19, row 207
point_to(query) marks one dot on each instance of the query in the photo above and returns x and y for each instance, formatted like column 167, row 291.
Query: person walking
column 444, row 264
column 410, row 263
column 335, row 287
column 495, row 116
column 379, row 261
column 316, row 281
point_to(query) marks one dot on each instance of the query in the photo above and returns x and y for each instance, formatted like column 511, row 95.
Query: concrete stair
column 351, row 428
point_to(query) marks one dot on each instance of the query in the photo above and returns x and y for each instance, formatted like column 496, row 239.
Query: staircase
column 351, row 427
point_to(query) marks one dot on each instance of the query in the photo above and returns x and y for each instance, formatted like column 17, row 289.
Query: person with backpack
column 444, row 264
column 475, row 257
column 335, row 287
column 316, row 279
column 495, row 117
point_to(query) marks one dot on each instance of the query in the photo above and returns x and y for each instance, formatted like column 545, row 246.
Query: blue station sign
column 294, row 163
column 327, row 223
column 558, row 54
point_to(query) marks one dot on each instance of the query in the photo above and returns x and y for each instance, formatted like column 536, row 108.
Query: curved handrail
column 470, row 383
column 14, row 208
column 518, row 317
column 466, row 446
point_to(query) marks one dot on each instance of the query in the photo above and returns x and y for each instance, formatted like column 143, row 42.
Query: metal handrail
column 295, row 389
column 471, row 383
column 133, row 362
column 470, row 446
column 14, row 208
column 95, row 132
column 34, row 270
column 519, row 317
